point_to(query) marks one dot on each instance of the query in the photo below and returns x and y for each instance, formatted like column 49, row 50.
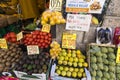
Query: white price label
column 32, row 49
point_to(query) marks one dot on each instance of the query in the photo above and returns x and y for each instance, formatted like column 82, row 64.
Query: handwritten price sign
column 3, row 43
column 78, row 22
column 55, row 5
column 19, row 36
column 69, row 41
column 46, row 28
column 32, row 50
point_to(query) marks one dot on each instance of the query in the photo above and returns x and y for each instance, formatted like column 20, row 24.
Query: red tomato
column 49, row 35
column 29, row 35
column 41, row 41
column 49, row 42
column 12, row 34
column 38, row 36
column 13, row 39
column 49, row 39
column 44, row 33
column 46, row 37
column 34, row 36
column 42, row 37
column 46, row 46
column 30, row 40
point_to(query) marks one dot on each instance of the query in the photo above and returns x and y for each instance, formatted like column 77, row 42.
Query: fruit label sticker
column 118, row 55
column 3, row 43
column 55, row 5
column 19, row 36
column 69, row 41
column 78, row 22
column 46, row 28
column 32, row 49
column 85, row 6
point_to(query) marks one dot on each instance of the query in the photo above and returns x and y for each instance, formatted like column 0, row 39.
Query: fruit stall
column 57, row 40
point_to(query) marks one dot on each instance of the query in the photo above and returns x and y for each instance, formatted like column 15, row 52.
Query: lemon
column 79, row 74
column 58, row 72
column 81, row 60
column 63, row 73
column 74, row 74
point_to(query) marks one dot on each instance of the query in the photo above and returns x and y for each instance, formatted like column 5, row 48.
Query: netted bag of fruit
column 9, row 57
column 52, row 18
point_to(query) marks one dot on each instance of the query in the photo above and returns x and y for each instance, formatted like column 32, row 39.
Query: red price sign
column 32, row 50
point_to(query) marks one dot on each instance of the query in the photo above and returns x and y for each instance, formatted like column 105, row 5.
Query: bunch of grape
column 55, row 49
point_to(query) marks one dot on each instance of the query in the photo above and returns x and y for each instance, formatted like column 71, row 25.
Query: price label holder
column 19, row 36
column 46, row 28
column 33, row 49
column 55, row 5
column 69, row 40
column 3, row 43
column 118, row 55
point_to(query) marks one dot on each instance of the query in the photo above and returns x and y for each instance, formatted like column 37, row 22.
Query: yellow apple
column 68, row 74
column 74, row 74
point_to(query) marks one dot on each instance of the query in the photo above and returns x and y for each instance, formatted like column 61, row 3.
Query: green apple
column 64, row 53
column 70, row 59
column 79, row 74
column 66, row 69
column 75, row 64
column 71, row 69
column 63, row 50
column 80, row 64
column 69, row 54
column 68, row 74
column 66, row 58
column 70, row 63
column 58, row 71
column 61, row 58
column 63, row 73
column 74, row 74
column 81, row 60
column 75, row 59
column 60, row 62
column 64, row 62
column 76, row 69
column 61, row 68
column 73, row 55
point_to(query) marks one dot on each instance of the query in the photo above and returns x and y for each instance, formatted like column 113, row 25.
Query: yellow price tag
column 3, row 43
column 118, row 55
column 69, row 41
column 19, row 36
column 46, row 28
column 33, row 49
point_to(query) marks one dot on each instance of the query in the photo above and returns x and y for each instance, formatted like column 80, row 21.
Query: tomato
column 13, row 39
column 46, row 41
column 38, row 36
column 49, row 39
column 46, row 37
column 44, row 33
column 12, row 34
column 30, row 40
column 49, row 42
column 43, row 44
column 46, row 46
column 41, row 41
column 42, row 37
column 49, row 35
column 34, row 36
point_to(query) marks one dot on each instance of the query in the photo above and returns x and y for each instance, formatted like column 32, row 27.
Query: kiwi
column 7, row 63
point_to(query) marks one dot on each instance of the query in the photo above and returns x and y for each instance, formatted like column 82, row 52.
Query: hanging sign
column 118, row 55
column 46, row 28
column 55, row 5
column 85, row 6
column 3, row 43
column 78, row 22
column 69, row 40
column 32, row 49
column 19, row 36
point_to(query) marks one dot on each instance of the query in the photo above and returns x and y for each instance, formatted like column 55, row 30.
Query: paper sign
column 3, row 43
column 55, row 5
column 118, row 55
column 88, row 74
column 32, row 50
column 46, row 28
column 85, row 6
column 69, row 41
column 19, row 36
column 78, row 22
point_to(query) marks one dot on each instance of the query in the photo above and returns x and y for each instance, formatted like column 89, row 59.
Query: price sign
column 78, row 22
column 19, row 36
column 69, row 41
column 55, row 5
column 32, row 49
column 118, row 55
column 3, row 43
column 46, row 28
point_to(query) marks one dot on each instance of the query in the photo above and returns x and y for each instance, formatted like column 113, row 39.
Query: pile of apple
column 37, row 37
column 71, row 63
column 52, row 18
